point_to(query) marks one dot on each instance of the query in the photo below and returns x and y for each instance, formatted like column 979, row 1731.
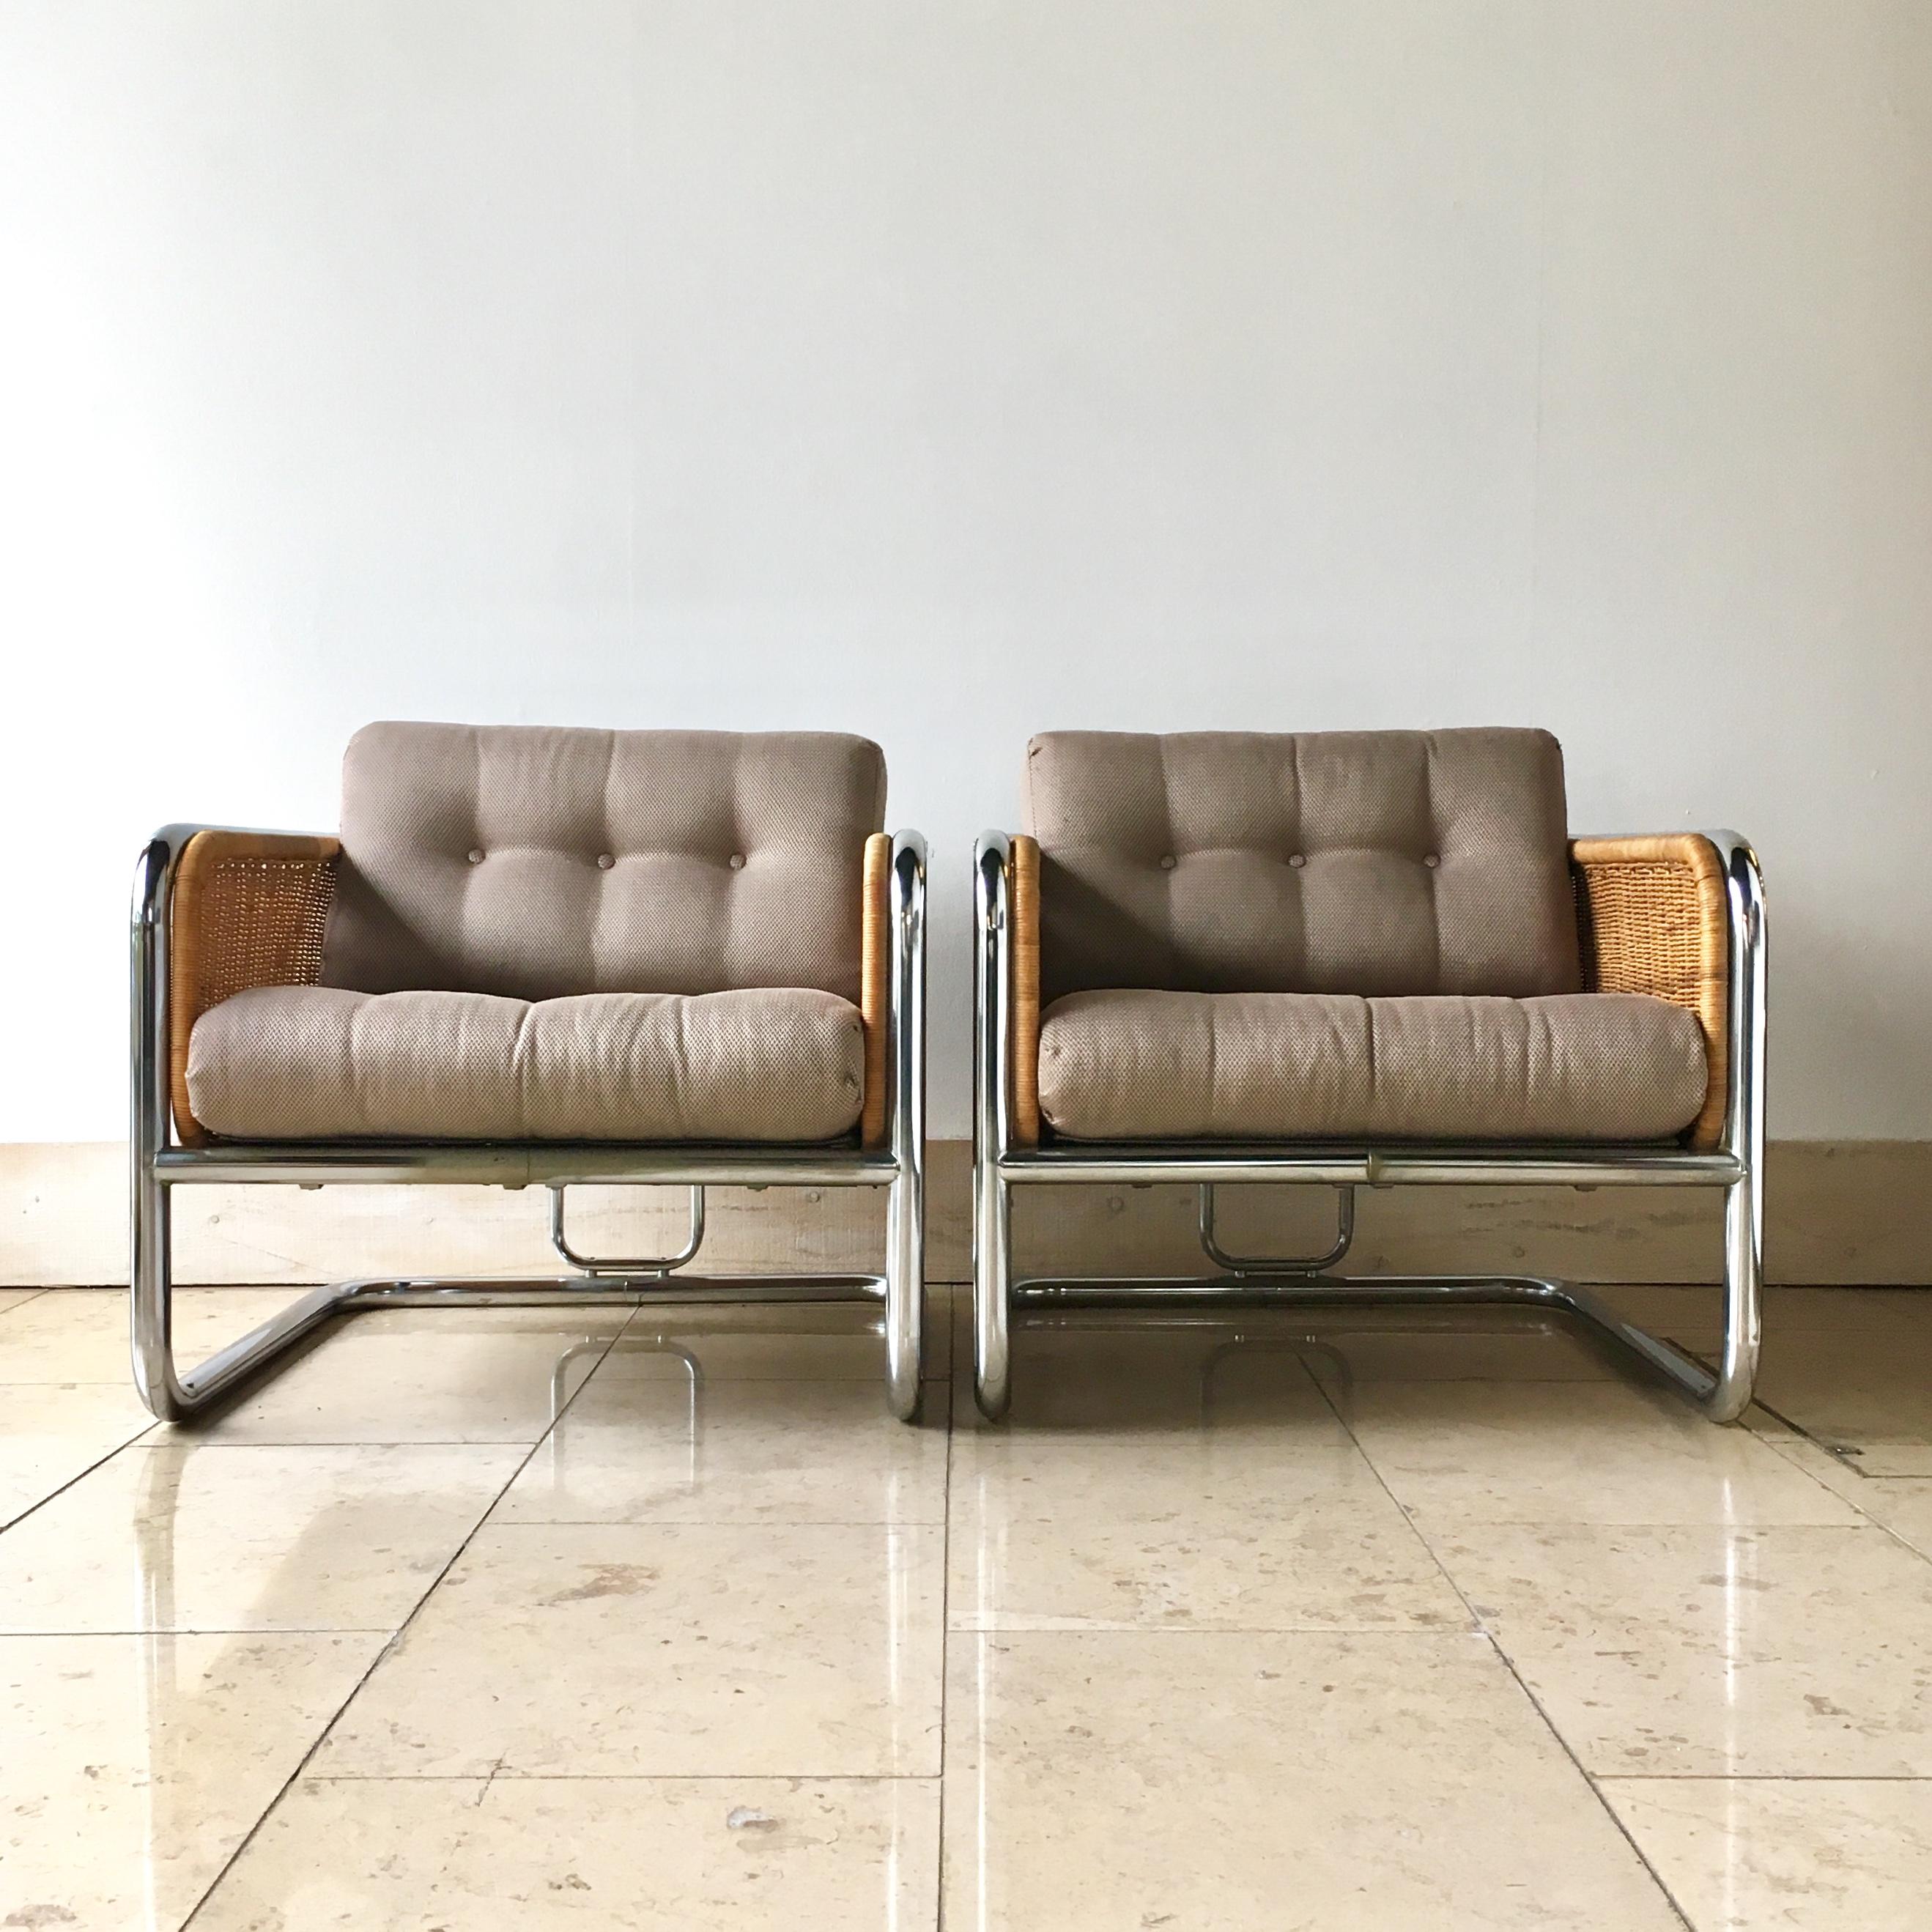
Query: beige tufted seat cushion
column 300, row 1062
column 1138, row 1065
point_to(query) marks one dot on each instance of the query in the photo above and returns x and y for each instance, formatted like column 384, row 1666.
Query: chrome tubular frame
column 1263, row 1267
column 656, row 1266
column 160, row 1165
column 1736, row 1165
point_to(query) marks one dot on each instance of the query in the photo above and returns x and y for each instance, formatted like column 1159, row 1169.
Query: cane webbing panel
column 875, row 982
column 1023, row 909
column 1651, row 918
column 249, row 909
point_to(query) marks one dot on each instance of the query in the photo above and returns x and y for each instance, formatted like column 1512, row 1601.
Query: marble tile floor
column 1358, row 1623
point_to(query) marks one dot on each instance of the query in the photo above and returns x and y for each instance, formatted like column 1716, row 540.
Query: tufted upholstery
column 1369, row 862
column 535, row 862
column 295, row 1062
column 1585, row 1066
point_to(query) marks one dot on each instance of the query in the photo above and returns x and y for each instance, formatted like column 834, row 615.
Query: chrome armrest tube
column 992, row 1119
column 905, row 1069
column 1744, row 1135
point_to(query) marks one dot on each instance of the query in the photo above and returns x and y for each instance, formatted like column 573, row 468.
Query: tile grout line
column 497, row 1775
column 81, row 1475
column 1763, row 1778
column 201, row 1630
column 772, row 1522
column 1866, row 1521
column 395, row 1637
column 1496, row 1650
column 1707, row 1356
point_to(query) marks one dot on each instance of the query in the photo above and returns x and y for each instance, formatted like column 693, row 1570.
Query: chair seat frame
column 1001, row 1164
column 160, row 1164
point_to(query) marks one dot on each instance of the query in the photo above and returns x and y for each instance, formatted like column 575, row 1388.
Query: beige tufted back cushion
column 538, row 862
column 1372, row 862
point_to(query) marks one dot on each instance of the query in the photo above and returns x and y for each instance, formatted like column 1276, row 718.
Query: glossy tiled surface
column 655, row 1855
column 477, row 1619
column 134, row 1767
column 608, row 1650
column 1136, row 1778
column 54, row 1431
column 1804, row 1855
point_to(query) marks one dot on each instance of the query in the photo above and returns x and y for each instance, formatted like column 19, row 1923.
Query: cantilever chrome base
column 1034, row 1300
column 177, row 1395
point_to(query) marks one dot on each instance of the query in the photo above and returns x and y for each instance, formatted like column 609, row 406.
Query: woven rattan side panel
column 1024, row 909
column 249, row 909
column 1651, row 918
column 875, row 982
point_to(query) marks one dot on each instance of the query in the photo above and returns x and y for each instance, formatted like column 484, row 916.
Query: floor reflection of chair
column 1305, row 1349
column 561, row 1394
column 188, row 1725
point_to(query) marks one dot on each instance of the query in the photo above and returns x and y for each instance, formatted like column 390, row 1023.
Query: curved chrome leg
column 1744, row 1132
column 905, row 1208
column 992, row 1132
column 150, row 1227
column 992, row 1292
column 1743, row 1272
column 905, row 1293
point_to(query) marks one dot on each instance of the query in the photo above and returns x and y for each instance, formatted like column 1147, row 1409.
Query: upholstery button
column 1431, row 860
column 476, row 855
column 1297, row 860
column 1167, row 862
column 737, row 862
column 605, row 861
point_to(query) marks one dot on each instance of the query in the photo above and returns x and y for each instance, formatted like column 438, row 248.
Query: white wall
column 947, row 370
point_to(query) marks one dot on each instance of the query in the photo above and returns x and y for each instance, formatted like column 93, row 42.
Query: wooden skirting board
column 1851, row 1212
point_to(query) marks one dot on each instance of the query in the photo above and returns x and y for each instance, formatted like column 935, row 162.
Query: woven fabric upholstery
column 1165, row 1066
column 301, row 1063
column 1373, row 862
column 536, row 862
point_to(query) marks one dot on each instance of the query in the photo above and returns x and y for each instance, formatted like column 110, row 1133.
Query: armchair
column 1352, row 959
column 538, row 957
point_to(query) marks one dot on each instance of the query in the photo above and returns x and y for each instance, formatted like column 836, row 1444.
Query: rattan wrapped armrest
column 875, row 938
column 1651, row 917
column 249, row 909
column 1023, row 910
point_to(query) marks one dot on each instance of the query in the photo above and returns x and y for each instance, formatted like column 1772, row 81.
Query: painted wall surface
column 950, row 370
